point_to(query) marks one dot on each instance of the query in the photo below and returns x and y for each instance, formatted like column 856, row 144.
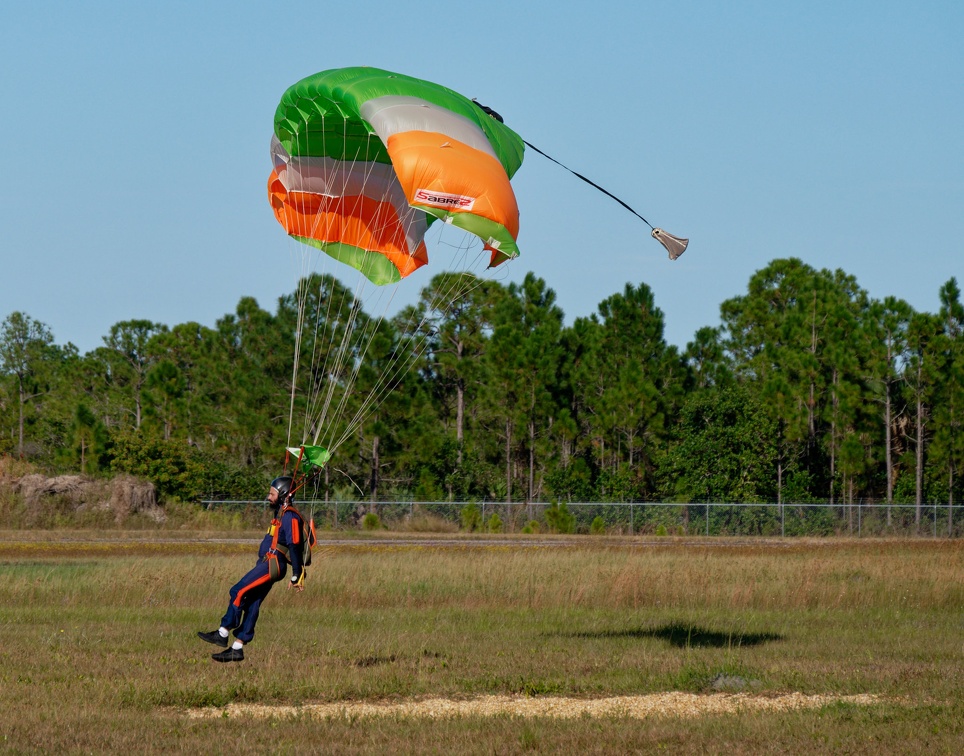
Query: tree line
column 809, row 390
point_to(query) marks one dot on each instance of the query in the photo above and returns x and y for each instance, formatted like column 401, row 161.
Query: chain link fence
column 636, row 518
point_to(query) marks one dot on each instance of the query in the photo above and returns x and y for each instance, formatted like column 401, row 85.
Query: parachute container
column 365, row 160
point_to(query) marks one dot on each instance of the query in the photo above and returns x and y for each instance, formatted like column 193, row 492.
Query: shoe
column 229, row 655
column 213, row 637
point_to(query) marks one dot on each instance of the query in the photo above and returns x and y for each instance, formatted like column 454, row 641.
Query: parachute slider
column 309, row 456
column 674, row 244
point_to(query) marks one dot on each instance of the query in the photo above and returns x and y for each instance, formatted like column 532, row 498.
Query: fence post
column 707, row 518
column 630, row 518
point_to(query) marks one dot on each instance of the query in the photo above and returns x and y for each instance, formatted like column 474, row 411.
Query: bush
column 560, row 519
column 598, row 526
column 531, row 527
column 371, row 522
column 494, row 524
column 179, row 471
column 471, row 518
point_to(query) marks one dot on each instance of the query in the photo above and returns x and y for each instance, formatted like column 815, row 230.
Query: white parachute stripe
column 335, row 178
column 394, row 114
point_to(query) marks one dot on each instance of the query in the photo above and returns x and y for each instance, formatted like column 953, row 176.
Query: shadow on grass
column 684, row 636
column 371, row 661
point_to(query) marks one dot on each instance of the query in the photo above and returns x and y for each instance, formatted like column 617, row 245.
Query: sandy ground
column 671, row 704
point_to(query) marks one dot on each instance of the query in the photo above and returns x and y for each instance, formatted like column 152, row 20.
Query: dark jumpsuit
column 281, row 545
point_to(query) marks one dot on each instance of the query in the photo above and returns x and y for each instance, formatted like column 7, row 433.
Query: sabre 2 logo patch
column 441, row 199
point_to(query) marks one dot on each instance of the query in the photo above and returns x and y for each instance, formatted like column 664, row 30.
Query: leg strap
column 274, row 567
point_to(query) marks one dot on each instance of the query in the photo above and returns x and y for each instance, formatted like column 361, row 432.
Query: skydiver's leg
column 242, row 594
column 244, row 609
column 252, row 608
column 277, row 569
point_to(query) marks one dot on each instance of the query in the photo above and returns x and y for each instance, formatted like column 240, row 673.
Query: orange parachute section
column 363, row 223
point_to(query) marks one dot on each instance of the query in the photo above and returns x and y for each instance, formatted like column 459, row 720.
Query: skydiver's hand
column 299, row 584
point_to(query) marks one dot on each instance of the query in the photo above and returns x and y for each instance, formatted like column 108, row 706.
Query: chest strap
column 275, row 527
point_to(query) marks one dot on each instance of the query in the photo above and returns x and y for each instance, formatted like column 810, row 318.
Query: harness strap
column 296, row 534
column 274, row 567
column 276, row 548
column 290, row 508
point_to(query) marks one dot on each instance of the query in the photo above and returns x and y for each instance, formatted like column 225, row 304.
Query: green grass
column 99, row 652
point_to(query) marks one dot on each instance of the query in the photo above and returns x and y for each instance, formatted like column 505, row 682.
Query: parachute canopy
column 365, row 160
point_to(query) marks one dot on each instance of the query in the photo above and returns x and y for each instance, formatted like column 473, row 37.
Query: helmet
column 283, row 486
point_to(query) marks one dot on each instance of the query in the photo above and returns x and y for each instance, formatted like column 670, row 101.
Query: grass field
column 99, row 652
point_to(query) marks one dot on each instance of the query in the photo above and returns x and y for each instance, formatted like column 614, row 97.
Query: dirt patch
column 124, row 495
column 672, row 704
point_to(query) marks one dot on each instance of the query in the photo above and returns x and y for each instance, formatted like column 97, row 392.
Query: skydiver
column 283, row 543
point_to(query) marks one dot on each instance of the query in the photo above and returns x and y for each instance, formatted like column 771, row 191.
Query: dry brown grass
column 424, row 522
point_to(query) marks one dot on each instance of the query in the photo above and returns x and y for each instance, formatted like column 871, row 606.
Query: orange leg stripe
column 259, row 581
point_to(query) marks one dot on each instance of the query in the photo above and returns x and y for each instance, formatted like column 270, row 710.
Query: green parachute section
column 309, row 457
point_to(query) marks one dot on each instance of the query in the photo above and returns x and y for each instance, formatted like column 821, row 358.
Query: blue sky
column 134, row 144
